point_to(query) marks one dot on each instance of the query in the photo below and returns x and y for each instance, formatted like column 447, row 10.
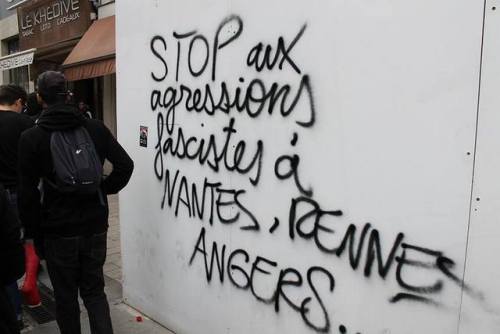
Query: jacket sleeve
column 122, row 166
column 28, row 193
column 11, row 249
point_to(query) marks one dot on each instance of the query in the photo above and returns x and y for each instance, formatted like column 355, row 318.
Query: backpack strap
column 101, row 197
column 45, row 180
column 50, row 183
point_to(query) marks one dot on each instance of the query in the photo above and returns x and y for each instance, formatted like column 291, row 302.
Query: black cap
column 51, row 83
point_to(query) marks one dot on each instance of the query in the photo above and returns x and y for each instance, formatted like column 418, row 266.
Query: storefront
column 54, row 27
column 11, row 70
column 67, row 36
column 92, row 60
column 16, row 64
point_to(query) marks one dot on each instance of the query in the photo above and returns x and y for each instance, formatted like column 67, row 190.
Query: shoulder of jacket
column 97, row 125
column 34, row 134
column 32, row 131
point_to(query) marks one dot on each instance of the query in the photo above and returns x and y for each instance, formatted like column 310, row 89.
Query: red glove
column 30, row 288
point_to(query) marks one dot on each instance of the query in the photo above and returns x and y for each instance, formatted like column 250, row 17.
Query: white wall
column 106, row 9
column 483, row 246
column 394, row 87
column 8, row 29
column 109, row 102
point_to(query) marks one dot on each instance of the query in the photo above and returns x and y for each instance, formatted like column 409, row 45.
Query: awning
column 94, row 55
column 18, row 59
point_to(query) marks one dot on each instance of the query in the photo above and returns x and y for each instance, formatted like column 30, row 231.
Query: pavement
column 113, row 265
column 126, row 320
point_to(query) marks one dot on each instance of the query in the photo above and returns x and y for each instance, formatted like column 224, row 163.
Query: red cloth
column 30, row 288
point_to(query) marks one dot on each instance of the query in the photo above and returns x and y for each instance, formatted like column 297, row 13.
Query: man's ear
column 19, row 105
column 40, row 100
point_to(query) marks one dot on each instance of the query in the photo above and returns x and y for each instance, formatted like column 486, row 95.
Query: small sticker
column 143, row 136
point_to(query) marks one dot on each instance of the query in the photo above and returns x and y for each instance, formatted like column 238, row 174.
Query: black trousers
column 76, row 264
column 8, row 321
column 12, row 289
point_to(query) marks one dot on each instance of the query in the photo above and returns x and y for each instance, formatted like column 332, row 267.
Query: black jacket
column 62, row 214
column 11, row 248
column 12, row 125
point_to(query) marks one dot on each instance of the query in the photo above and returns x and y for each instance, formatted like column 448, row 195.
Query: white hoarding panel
column 301, row 166
column 482, row 266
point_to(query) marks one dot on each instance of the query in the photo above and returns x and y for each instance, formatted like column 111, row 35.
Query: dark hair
column 9, row 94
column 33, row 107
column 52, row 87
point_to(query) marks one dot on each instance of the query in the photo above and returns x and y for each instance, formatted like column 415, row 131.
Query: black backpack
column 77, row 166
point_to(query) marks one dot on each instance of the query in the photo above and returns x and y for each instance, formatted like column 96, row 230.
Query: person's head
column 33, row 106
column 12, row 97
column 52, row 87
column 82, row 106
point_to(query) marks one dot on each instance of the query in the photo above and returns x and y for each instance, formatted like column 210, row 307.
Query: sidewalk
column 125, row 319
column 113, row 265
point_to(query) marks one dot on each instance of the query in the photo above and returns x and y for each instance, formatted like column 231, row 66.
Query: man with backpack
column 68, row 222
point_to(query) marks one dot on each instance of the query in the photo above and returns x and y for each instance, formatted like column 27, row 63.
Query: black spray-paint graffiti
column 206, row 202
column 223, row 151
column 247, row 279
column 367, row 246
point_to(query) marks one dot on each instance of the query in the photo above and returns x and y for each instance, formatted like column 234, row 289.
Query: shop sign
column 17, row 60
column 46, row 22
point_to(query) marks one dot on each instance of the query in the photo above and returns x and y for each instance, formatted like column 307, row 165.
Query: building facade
column 76, row 37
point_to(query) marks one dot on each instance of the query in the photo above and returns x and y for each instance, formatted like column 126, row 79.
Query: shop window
column 19, row 75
